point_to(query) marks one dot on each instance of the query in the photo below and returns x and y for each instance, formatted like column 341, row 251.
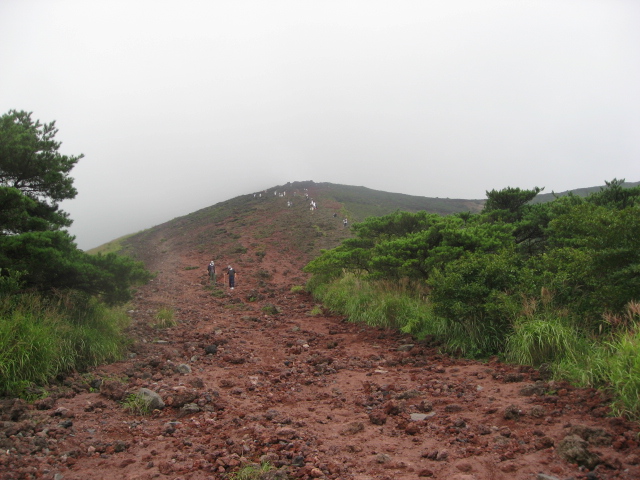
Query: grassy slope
column 225, row 226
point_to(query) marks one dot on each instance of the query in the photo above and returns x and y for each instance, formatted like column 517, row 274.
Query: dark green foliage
column 34, row 177
column 584, row 252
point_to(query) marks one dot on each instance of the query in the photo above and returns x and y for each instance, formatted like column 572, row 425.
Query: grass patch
column 136, row 405
column 41, row 338
column 252, row 471
column 270, row 309
column 298, row 289
column 165, row 318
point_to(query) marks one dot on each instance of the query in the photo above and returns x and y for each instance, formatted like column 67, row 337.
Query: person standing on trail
column 345, row 222
column 211, row 268
column 231, row 273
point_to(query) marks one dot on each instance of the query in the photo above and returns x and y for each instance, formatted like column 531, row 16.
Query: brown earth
column 316, row 396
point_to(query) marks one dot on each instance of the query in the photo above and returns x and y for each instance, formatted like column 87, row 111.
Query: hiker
column 344, row 222
column 231, row 273
column 211, row 268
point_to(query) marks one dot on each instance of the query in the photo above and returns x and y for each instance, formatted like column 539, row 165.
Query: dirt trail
column 314, row 395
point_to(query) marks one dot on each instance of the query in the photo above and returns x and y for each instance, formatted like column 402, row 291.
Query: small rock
column 188, row 409
column 542, row 476
column 316, row 473
column 183, row 368
column 573, row 449
column 298, row 461
column 377, row 418
column 512, row 412
column 405, row 348
column 417, row 417
column 353, row 428
column 453, row 408
column 151, row 399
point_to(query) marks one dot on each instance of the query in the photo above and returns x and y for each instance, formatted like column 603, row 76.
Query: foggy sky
column 180, row 105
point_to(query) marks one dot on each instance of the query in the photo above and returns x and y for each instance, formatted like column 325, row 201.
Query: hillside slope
column 261, row 374
column 218, row 230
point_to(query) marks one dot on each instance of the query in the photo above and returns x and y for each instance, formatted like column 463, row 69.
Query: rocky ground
column 259, row 374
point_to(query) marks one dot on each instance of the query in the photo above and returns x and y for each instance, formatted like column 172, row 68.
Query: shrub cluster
column 534, row 283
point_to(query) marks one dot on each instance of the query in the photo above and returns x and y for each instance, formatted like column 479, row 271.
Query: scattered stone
column 66, row 424
column 196, row 382
column 316, row 473
column 188, row 409
column 408, row 394
column 595, row 436
column 512, row 412
column 573, row 449
column 418, row 417
column 392, row 408
column 183, row 368
column 113, row 390
column 452, row 408
column 211, row 349
column 425, row 406
column 406, row 348
column 46, row 403
column 353, row 428
column 377, row 418
column 543, row 442
column 425, row 473
column 538, row 388
column 180, row 396
column 542, row 476
column 513, row 378
column 383, row 458
column 151, row 399
column 412, row 429
column 537, row 411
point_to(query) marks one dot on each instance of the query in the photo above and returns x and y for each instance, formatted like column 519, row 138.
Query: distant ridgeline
column 581, row 192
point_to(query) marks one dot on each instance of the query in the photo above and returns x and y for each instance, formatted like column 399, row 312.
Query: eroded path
column 252, row 375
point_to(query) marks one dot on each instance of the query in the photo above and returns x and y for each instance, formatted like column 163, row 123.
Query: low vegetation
column 535, row 283
column 43, row 337
column 60, row 307
column 165, row 318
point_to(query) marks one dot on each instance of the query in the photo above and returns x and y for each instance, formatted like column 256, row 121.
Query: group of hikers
column 229, row 271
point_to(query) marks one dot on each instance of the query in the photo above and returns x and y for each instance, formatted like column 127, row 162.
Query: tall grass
column 622, row 372
column 41, row 338
column 378, row 304
column 545, row 337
